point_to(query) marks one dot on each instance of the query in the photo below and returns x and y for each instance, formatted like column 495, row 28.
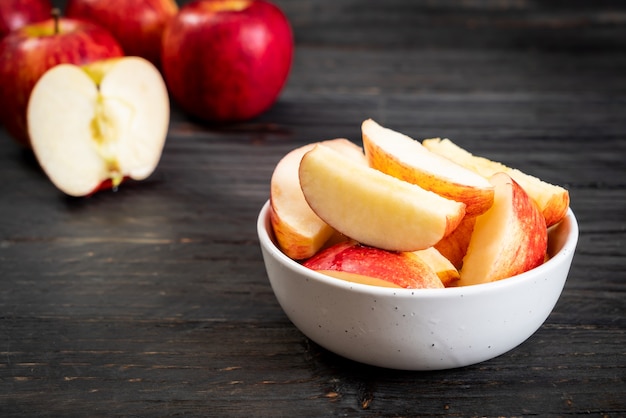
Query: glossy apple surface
column 27, row 53
column 93, row 126
column 509, row 239
column 227, row 60
column 138, row 25
column 368, row 265
column 17, row 13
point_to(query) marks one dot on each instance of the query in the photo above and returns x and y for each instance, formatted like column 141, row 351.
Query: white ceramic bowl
column 418, row 329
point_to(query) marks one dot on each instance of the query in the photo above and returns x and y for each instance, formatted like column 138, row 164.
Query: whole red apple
column 227, row 60
column 137, row 24
column 27, row 53
column 16, row 13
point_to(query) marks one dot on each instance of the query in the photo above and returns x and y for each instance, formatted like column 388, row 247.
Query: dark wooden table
column 153, row 300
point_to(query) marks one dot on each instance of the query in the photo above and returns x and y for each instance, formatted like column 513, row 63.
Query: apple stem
column 56, row 13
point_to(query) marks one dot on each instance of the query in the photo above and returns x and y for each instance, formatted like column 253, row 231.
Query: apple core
column 104, row 129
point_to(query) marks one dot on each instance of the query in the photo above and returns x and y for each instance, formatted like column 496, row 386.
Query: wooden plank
column 153, row 300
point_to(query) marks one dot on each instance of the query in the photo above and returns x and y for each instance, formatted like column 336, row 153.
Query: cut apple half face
column 299, row 232
column 553, row 200
column 374, row 208
column 99, row 123
column 509, row 239
column 403, row 157
column 363, row 264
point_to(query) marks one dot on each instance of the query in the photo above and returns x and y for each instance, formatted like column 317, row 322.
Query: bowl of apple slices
column 413, row 255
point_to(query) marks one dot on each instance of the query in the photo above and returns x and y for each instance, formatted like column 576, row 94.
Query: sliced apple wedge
column 299, row 232
column 454, row 246
column 509, row 239
column 100, row 123
column 372, row 207
column 368, row 265
column 445, row 270
column 403, row 157
column 359, row 278
column 553, row 200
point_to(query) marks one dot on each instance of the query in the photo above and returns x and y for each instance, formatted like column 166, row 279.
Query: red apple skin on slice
column 403, row 157
column 402, row 269
column 299, row 232
column 509, row 239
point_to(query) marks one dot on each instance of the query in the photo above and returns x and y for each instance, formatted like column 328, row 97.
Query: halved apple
column 372, row 207
column 369, row 265
column 509, row 239
column 553, row 200
column 403, row 157
column 445, row 270
column 299, row 232
column 99, row 123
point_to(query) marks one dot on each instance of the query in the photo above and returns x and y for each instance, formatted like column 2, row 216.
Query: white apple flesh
column 372, row 207
column 403, row 157
column 509, row 239
column 553, row 200
column 99, row 123
column 447, row 272
column 299, row 232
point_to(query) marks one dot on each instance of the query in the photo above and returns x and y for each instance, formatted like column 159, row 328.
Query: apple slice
column 445, row 270
column 454, row 246
column 372, row 207
column 509, row 239
column 403, row 157
column 364, row 264
column 553, row 200
column 359, row 278
column 99, row 123
column 299, row 232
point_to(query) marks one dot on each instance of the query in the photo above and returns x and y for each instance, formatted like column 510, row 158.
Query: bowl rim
column 561, row 256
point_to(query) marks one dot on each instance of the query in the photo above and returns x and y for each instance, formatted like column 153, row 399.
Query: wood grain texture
column 153, row 300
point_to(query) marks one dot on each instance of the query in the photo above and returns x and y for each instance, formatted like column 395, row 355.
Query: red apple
column 27, row 53
column 137, row 24
column 17, row 13
column 227, row 60
column 355, row 262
